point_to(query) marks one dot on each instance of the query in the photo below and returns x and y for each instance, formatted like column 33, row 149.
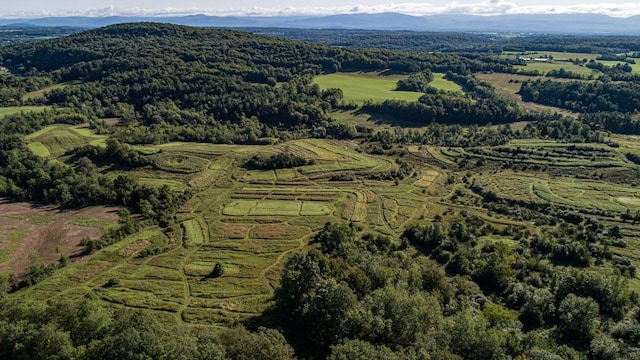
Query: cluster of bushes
column 416, row 82
column 114, row 153
column 281, row 160
column 85, row 329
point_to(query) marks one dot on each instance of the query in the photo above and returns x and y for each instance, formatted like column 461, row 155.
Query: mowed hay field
column 554, row 54
column 440, row 83
column 545, row 67
column 561, row 60
column 360, row 87
column 635, row 67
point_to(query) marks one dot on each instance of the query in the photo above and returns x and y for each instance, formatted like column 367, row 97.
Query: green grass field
column 194, row 232
column 635, row 67
column 544, row 68
column 173, row 184
column 360, row 87
column 4, row 111
column 554, row 54
column 39, row 149
column 439, row 82
column 57, row 139
column 558, row 62
column 180, row 163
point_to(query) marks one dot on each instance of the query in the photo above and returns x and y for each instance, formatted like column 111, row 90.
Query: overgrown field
column 249, row 221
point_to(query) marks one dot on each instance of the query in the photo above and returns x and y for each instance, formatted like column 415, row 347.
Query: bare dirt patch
column 41, row 234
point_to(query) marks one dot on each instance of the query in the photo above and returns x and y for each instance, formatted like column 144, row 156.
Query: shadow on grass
column 389, row 120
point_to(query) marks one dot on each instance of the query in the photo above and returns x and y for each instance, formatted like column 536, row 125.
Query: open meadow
column 363, row 86
column 360, row 87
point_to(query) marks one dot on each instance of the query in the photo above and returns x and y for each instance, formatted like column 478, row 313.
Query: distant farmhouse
column 540, row 59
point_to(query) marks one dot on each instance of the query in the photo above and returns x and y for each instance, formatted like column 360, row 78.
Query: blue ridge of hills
column 518, row 23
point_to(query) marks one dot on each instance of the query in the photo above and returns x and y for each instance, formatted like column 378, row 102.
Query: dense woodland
column 459, row 43
column 433, row 292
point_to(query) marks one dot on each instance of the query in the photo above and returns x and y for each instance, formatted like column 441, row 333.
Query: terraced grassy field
column 250, row 221
column 55, row 140
column 247, row 221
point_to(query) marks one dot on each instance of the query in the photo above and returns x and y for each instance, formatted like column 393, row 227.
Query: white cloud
column 485, row 7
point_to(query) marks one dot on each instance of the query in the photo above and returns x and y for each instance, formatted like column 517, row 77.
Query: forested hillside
column 211, row 197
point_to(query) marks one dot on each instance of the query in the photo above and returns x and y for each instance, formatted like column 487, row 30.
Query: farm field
column 545, row 67
column 554, row 54
column 29, row 232
column 360, row 87
column 440, row 83
column 635, row 67
column 218, row 201
column 55, row 140
column 561, row 61
column 247, row 221
column 508, row 86
column 250, row 221
column 4, row 111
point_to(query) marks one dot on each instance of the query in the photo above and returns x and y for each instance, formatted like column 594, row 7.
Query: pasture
column 635, row 67
column 440, row 83
column 508, row 85
column 360, row 87
column 553, row 54
column 562, row 60
column 545, row 67
column 248, row 223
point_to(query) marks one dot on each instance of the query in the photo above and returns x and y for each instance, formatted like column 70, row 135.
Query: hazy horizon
column 35, row 8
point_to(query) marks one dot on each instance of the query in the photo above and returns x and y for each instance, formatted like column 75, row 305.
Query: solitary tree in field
column 218, row 270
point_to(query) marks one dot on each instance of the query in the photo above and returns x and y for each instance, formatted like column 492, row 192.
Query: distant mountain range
column 520, row 23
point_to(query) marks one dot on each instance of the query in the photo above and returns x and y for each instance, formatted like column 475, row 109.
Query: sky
column 42, row 8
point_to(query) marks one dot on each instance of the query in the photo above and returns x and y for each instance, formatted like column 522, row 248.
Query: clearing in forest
column 4, row 111
column 360, row 87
